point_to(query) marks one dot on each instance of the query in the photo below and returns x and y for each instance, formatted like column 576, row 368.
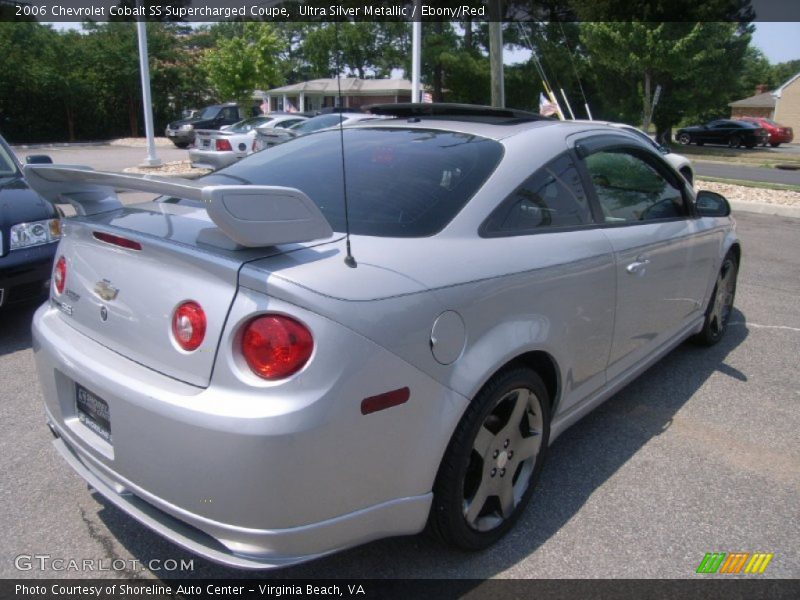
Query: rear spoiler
column 251, row 215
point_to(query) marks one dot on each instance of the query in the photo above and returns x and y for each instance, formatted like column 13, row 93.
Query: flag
column 546, row 108
column 427, row 98
column 265, row 107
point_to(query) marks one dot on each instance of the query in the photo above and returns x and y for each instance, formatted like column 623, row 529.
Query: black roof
column 455, row 112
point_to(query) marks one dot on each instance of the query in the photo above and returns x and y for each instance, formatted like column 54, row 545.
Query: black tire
column 750, row 146
column 774, row 144
column 466, row 473
column 720, row 307
column 181, row 145
column 700, row 143
column 684, row 138
column 734, row 141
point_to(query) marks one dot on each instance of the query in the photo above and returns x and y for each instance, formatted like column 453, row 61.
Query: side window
column 551, row 197
column 629, row 189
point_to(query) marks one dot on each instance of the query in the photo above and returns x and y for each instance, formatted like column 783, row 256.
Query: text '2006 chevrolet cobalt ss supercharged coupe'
column 223, row 358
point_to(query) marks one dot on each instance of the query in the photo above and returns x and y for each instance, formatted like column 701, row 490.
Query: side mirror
column 38, row 159
column 711, row 204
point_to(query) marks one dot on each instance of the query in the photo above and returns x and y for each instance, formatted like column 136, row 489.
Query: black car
column 181, row 132
column 29, row 232
column 723, row 131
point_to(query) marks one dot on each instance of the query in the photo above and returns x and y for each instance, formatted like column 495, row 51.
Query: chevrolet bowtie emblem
column 105, row 290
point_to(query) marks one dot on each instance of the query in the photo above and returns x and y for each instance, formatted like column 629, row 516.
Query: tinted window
column 629, row 189
column 209, row 112
column 400, row 183
column 551, row 197
column 317, row 123
column 248, row 124
column 230, row 113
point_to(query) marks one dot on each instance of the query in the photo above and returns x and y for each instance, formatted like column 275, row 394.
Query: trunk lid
column 125, row 298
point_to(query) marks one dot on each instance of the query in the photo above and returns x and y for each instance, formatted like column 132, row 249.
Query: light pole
column 416, row 53
column 144, row 68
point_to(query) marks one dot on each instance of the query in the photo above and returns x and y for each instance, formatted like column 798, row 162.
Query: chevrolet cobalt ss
column 232, row 371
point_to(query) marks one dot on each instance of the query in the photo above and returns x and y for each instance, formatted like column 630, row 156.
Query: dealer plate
column 93, row 412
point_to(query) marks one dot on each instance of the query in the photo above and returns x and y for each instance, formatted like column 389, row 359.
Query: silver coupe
column 233, row 370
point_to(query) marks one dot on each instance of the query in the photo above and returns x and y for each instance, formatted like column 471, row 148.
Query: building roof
column 765, row 100
column 786, row 84
column 350, row 86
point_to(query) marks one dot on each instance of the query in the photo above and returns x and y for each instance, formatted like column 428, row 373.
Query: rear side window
column 553, row 197
column 629, row 189
column 400, row 182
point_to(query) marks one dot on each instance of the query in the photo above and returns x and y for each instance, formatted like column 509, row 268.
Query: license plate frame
column 93, row 412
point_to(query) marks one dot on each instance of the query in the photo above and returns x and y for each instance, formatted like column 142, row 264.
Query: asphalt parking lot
column 698, row 455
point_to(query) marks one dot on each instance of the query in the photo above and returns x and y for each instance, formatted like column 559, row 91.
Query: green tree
column 697, row 66
column 237, row 65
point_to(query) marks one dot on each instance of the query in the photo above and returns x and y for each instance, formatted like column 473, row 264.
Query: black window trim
column 487, row 230
column 610, row 143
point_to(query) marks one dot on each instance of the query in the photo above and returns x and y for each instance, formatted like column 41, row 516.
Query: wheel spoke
column 520, row 406
column 473, row 509
column 528, row 447
column 483, row 441
column 506, row 496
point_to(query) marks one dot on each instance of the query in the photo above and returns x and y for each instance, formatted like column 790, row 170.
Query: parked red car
column 778, row 134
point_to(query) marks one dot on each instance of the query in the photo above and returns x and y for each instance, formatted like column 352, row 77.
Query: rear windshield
column 400, row 182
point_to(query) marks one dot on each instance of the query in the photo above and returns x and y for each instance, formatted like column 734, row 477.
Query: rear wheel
column 734, row 141
column 774, row 144
column 720, row 306
column 491, row 466
column 181, row 144
column 684, row 138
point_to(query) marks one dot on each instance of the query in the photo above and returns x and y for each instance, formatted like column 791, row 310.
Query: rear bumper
column 266, row 548
column 25, row 274
column 180, row 136
column 254, row 481
column 213, row 159
column 780, row 138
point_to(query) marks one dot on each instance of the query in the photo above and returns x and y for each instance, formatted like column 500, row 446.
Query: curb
column 764, row 208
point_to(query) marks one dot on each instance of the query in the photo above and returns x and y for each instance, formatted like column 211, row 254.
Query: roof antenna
column 349, row 260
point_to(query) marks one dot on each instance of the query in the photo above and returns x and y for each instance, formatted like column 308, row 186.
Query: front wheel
column 492, row 463
column 720, row 306
column 684, row 138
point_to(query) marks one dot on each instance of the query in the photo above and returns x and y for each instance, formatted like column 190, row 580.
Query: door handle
column 638, row 266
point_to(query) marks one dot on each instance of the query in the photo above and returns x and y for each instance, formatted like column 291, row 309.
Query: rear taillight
column 60, row 274
column 189, row 325
column 276, row 346
column 223, row 146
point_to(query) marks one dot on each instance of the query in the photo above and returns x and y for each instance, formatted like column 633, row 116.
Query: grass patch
column 753, row 184
column 756, row 157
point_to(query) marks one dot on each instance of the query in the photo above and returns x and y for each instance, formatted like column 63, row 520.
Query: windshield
column 248, row 124
column 317, row 123
column 400, row 182
column 209, row 112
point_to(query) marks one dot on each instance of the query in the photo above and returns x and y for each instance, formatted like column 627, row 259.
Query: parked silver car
column 288, row 391
column 268, row 137
column 217, row 149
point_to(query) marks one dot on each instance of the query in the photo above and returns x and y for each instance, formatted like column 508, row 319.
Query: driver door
column 648, row 219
